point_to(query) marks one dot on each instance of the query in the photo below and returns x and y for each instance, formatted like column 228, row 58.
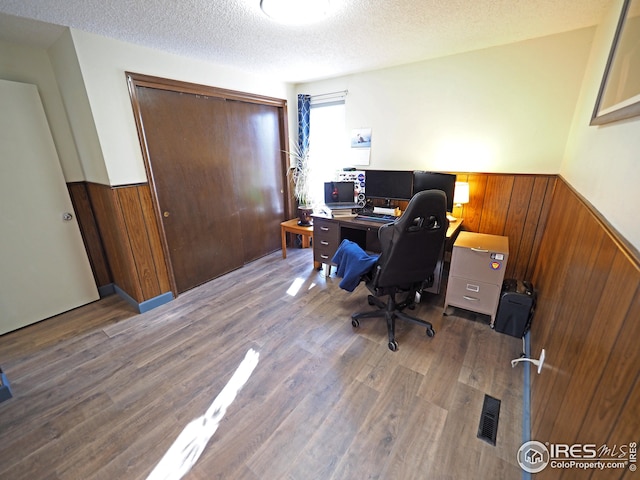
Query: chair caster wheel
column 355, row 323
column 430, row 332
column 393, row 346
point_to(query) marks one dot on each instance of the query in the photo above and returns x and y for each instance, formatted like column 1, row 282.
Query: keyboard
column 376, row 217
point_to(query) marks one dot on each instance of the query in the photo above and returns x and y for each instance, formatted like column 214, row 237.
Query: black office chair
column 411, row 247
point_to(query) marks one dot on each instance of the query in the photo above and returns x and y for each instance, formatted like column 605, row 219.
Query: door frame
column 135, row 80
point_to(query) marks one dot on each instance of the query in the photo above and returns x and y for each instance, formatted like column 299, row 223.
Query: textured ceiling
column 360, row 34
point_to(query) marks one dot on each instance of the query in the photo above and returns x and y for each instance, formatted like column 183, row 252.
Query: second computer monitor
column 388, row 184
column 435, row 181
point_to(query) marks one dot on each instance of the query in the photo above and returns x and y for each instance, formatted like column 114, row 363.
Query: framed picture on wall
column 361, row 138
column 619, row 94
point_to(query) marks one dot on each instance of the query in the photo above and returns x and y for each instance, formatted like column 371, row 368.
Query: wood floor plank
column 448, row 353
column 369, row 453
column 415, row 452
column 280, row 451
column 326, row 448
column 39, row 439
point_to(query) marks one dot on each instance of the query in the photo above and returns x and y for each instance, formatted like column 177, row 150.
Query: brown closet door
column 257, row 169
column 188, row 144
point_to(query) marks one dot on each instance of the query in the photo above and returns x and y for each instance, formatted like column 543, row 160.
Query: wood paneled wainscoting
column 122, row 238
column 588, row 322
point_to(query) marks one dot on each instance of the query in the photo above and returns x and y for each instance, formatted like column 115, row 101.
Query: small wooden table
column 292, row 226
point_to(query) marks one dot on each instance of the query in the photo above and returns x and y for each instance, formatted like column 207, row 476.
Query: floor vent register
column 488, row 428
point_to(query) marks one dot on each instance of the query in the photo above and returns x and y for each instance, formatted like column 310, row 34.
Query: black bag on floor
column 516, row 307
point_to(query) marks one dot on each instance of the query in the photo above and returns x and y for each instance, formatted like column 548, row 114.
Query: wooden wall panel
column 140, row 232
column 609, row 409
column 513, row 205
column 160, row 259
column 472, row 211
column 90, row 234
column 588, row 283
column 131, row 239
column 113, row 232
column 495, row 207
column 535, row 224
column 516, row 225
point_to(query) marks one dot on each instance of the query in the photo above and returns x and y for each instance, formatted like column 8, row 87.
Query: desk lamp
column 460, row 197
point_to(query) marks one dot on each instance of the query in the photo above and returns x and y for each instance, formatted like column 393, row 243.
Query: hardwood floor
column 102, row 392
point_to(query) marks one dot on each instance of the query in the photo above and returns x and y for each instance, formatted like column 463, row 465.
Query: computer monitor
column 388, row 184
column 435, row 181
column 336, row 193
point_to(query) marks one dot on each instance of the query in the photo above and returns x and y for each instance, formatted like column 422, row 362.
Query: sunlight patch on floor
column 296, row 285
column 191, row 442
column 294, row 288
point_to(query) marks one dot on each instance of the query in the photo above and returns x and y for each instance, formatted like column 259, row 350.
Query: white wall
column 603, row 163
column 72, row 88
column 501, row 109
column 103, row 62
column 21, row 63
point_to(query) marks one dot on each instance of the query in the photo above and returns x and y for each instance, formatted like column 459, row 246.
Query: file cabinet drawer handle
column 473, row 288
column 471, row 299
column 324, row 229
column 324, row 243
column 324, row 257
column 479, row 250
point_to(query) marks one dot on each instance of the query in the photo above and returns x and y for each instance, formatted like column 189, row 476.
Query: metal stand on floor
column 537, row 362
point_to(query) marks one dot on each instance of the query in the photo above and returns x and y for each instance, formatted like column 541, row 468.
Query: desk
column 292, row 226
column 329, row 232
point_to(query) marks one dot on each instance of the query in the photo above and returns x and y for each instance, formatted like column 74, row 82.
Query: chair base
column 390, row 311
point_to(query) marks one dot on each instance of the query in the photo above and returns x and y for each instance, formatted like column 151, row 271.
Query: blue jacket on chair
column 352, row 262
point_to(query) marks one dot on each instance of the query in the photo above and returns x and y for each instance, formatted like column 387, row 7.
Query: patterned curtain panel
column 304, row 109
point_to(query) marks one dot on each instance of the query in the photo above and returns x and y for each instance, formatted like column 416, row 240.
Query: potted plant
column 299, row 173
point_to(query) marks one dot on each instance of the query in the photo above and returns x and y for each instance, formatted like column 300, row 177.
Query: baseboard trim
column 147, row 304
column 106, row 290
column 526, row 398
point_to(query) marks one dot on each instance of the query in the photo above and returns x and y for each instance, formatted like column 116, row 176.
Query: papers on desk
column 339, row 212
column 342, row 213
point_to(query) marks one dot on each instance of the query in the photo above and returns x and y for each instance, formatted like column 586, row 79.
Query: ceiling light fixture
column 296, row 12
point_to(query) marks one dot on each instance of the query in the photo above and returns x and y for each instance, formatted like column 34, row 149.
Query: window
column 327, row 144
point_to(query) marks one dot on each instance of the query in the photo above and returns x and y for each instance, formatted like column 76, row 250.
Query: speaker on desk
column 516, row 308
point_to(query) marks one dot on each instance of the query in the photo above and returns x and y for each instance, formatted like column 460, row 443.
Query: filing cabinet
column 478, row 263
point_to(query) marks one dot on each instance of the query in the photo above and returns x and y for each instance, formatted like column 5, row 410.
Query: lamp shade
column 461, row 193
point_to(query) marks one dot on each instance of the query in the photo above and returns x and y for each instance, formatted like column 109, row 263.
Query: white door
column 44, row 269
